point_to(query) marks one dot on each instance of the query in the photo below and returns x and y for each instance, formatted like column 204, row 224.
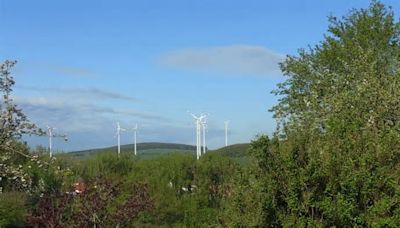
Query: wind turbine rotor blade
column 194, row 116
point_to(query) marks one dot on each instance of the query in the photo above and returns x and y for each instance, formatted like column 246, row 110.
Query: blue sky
column 83, row 65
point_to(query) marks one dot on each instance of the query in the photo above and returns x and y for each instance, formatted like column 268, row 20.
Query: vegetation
column 144, row 149
column 333, row 161
column 234, row 151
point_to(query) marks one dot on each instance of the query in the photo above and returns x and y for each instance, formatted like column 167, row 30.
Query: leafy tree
column 213, row 177
column 105, row 164
column 166, row 176
column 255, row 195
column 210, row 188
column 349, row 80
column 13, row 124
column 22, row 174
column 335, row 158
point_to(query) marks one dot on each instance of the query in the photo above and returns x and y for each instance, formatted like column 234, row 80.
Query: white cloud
column 234, row 60
column 94, row 93
column 90, row 125
column 77, row 115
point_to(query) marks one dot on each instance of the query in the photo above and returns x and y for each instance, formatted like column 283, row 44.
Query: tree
column 335, row 158
column 13, row 124
column 353, row 73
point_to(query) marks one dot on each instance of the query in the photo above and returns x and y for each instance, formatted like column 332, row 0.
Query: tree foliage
column 13, row 124
column 12, row 209
column 336, row 156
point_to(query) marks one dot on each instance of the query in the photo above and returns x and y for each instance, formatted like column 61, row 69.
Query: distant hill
column 154, row 149
column 235, row 150
column 149, row 148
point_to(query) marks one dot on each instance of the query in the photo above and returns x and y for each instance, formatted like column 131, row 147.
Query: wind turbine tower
column 204, row 125
column 50, row 133
column 198, row 120
column 226, row 122
column 119, row 129
column 134, row 138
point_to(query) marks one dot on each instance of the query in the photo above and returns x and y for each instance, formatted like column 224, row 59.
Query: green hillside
column 235, row 150
column 153, row 149
column 143, row 149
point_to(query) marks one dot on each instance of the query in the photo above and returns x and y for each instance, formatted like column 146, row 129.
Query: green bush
column 12, row 209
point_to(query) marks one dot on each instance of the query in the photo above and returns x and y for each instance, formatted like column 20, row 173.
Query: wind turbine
column 198, row 120
column 198, row 142
column 51, row 134
column 204, row 125
column 226, row 122
column 134, row 137
column 119, row 129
